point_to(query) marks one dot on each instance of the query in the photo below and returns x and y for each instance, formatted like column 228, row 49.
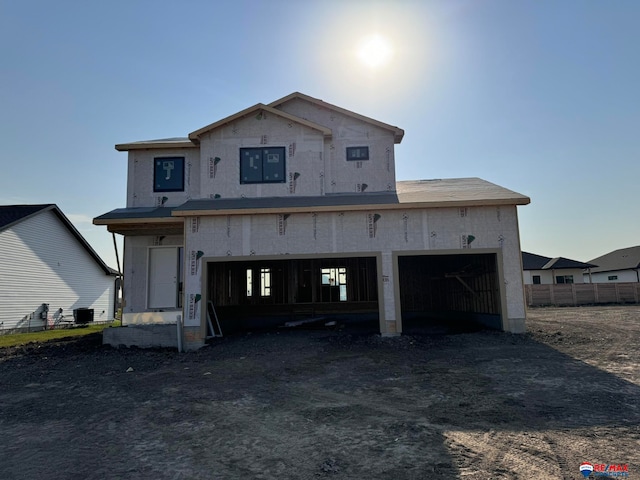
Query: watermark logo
column 586, row 468
column 609, row 470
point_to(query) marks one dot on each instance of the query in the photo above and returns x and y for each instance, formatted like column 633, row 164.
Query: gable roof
column 531, row 261
column 621, row 259
column 11, row 215
column 193, row 140
column 258, row 108
column 398, row 133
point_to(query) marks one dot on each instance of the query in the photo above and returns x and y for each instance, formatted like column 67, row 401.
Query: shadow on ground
column 307, row 404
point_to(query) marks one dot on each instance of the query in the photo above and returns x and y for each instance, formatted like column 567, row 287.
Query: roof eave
column 114, row 221
column 125, row 147
column 342, row 208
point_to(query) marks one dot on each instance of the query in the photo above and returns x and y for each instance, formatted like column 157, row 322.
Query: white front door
column 163, row 277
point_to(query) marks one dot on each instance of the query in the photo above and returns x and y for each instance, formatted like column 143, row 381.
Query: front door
column 163, row 277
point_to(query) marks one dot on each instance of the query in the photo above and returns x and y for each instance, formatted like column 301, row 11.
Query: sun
column 374, row 51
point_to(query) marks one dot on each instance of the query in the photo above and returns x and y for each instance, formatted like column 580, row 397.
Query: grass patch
column 17, row 339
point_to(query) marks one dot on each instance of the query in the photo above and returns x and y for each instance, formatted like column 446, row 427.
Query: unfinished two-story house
column 292, row 210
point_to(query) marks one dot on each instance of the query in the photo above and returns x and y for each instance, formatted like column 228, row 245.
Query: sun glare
column 374, row 51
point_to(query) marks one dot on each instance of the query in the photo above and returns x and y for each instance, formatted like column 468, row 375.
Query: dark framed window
column 262, row 165
column 536, row 279
column 612, row 277
column 564, row 278
column 168, row 174
column 357, row 153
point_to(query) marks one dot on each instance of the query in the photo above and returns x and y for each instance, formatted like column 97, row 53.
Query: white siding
column 42, row 262
column 603, row 277
column 548, row 277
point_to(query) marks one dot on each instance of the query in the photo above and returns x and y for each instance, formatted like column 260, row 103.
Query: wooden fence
column 582, row 294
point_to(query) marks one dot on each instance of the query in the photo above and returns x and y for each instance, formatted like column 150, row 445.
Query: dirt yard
column 335, row 404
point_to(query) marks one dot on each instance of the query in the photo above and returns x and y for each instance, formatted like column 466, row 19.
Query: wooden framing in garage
column 262, row 291
column 458, row 285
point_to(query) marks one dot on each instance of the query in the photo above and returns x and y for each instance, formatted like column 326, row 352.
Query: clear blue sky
column 541, row 97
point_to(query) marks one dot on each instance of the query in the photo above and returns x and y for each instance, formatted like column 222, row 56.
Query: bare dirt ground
column 336, row 404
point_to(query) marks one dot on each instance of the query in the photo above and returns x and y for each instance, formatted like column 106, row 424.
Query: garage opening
column 266, row 293
column 450, row 292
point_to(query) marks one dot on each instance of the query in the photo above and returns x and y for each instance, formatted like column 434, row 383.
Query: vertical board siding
column 582, row 294
column 41, row 261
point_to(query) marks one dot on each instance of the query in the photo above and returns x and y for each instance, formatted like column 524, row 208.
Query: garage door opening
column 449, row 292
column 256, row 294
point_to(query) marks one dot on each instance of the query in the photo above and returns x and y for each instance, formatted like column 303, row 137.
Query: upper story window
column 357, row 153
column 262, row 165
column 168, row 174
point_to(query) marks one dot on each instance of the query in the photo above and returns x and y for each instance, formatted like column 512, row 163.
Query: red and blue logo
column 608, row 470
column 586, row 468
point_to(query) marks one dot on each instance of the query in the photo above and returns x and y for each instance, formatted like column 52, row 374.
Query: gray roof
column 310, row 202
column 137, row 213
column 415, row 193
column 11, row 215
column 622, row 259
column 531, row 261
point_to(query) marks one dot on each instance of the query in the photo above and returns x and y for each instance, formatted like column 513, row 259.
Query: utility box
column 83, row 315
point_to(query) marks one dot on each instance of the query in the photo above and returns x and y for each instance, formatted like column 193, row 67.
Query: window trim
column 359, row 158
column 155, row 172
column 263, row 148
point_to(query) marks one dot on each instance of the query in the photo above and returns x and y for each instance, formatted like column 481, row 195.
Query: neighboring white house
column 48, row 270
column 621, row 265
column 540, row 270
column 292, row 209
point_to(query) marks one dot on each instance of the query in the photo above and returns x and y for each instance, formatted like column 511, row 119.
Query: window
column 612, row 277
column 265, row 282
column 357, row 153
column 336, row 277
column 249, row 282
column 536, row 279
column 564, row 279
column 262, row 165
column 168, row 174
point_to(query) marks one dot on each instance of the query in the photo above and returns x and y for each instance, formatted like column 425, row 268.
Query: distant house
column 48, row 270
column 539, row 270
column 621, row 265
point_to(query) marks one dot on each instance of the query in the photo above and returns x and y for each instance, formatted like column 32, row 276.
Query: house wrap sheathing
column 292, row 209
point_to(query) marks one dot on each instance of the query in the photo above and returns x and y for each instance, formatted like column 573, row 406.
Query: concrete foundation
column 152, row 336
